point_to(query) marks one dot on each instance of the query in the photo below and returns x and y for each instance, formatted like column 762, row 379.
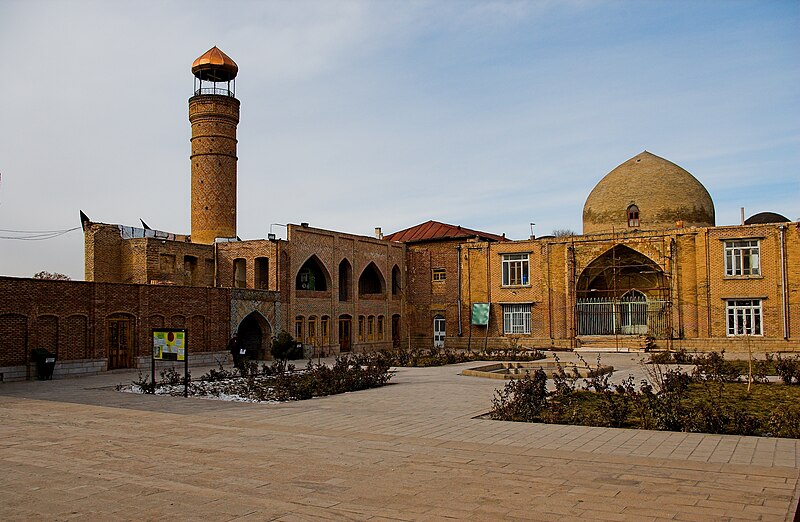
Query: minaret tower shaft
column 214, row 115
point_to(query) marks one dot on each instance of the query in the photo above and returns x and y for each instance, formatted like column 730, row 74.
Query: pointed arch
column 345, row 280
column 396, row 285
column 255, row 335
column 371, row 282
column 313, row 276
column 618, row 270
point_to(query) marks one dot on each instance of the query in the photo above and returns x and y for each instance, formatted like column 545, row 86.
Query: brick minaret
column 214, row 114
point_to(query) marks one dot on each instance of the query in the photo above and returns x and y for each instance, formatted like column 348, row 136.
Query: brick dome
column 647, row 193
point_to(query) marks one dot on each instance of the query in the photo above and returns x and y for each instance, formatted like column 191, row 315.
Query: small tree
column 284, row 347
column 53, row 276
column 564, row 232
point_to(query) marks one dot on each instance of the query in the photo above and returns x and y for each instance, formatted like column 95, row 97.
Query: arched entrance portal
column 622, row 292
column 255, row 336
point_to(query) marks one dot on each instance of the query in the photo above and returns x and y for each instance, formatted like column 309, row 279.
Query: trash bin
column 45, row 363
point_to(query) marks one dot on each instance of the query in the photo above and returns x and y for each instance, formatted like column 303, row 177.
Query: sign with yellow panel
column 169, row 344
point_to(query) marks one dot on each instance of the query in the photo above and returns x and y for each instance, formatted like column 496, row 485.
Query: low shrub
column 426, row 357
column 279, row 381
column 284, row 347
column 713, row 366
column 788, row 368
column 708, row 401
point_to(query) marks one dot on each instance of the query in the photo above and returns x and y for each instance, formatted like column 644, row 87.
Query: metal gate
column 633, row 314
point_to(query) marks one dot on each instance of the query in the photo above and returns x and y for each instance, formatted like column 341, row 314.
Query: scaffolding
column 624, row 292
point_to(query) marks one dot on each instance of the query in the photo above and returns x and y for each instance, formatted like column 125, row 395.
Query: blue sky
column 490, row 115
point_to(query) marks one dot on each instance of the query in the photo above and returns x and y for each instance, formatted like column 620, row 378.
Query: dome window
column 633, row 216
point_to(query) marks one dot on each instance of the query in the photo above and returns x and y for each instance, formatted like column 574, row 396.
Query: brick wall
column 71, row 318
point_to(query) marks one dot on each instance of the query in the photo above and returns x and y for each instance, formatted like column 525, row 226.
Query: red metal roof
column 434, row 230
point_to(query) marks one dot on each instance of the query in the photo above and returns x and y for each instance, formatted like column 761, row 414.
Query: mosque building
column 650, row 270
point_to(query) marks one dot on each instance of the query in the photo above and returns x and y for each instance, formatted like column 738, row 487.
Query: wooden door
column 120, row 351
column 396, row 331
column 345, row 335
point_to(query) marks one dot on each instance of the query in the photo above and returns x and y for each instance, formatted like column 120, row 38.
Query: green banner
column 480, row 314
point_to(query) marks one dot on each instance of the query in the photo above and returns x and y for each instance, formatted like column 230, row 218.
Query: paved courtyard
column 413, row 450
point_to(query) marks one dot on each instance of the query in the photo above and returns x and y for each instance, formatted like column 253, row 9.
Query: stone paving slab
column 413, row 450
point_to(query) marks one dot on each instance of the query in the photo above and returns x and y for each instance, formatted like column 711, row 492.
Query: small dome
column 215, row 66
column 647, row 193
column 766, row 217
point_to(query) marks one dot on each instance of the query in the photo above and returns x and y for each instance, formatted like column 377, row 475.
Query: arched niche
column 312, row 276
column 371, row 282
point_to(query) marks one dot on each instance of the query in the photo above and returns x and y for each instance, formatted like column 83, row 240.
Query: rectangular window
column 744, row 317
column 515, row 269
column 517, row 319
column 323, row 330
column 360, row 327
column 439, row 274
column 742, row 258
column 371, row 327
column 380, row 328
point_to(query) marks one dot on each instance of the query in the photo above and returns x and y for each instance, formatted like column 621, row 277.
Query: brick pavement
column 413, row 450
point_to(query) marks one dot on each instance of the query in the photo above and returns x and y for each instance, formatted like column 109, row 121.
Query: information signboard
column 169, row 344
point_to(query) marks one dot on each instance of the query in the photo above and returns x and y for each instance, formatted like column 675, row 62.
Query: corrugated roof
column 434, row 230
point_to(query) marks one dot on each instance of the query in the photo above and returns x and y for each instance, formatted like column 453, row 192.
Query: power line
column 34, row 235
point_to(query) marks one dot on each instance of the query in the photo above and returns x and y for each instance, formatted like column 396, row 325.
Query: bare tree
column 53, row 276
column 564, row 232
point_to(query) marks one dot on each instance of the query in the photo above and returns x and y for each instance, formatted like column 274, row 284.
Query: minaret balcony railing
column 220, row 91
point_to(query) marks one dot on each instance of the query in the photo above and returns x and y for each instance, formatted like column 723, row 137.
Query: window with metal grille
column 517, row 319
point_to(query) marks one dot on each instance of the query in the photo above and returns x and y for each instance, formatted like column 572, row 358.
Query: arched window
column 395, row 280
column 323, row 329
column 345, row 280
column 312, row 330
column 298, row 328
column 371, row 281
column 633, row 216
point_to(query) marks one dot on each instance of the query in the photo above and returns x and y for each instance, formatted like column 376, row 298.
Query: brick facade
column 688, row 267
column 214, row 119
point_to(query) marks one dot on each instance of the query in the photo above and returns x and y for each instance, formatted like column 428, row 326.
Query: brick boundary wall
column 72, row 319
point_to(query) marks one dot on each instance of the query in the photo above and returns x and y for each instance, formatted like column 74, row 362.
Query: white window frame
column 743, row 258
column 517, row 318
column 516, row 269
column 744, row 317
